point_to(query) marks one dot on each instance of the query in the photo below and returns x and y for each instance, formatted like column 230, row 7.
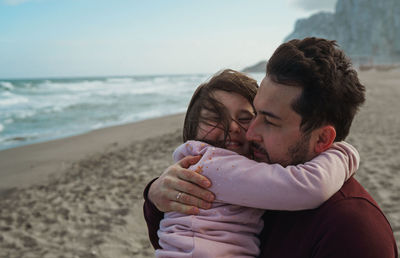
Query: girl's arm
column 241, row 181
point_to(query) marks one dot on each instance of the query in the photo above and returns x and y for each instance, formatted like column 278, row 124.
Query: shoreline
column 32, row 164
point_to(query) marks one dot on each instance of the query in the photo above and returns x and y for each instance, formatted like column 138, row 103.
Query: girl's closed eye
column 211, row 116
column 245, row 120
column 245, row 117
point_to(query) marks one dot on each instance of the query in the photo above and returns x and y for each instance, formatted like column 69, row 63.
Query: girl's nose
column 234, row 126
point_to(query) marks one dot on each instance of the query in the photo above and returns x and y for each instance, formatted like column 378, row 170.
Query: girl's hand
column 180, row 189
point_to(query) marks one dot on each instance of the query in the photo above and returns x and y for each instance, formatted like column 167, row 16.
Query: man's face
column 275, row 132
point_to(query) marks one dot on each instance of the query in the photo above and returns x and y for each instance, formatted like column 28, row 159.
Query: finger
column 189, row 184
column 188, row 199
column 195, row 178
column 183, row 208
column 174, row 185
column 189, row 160
column 194, row 190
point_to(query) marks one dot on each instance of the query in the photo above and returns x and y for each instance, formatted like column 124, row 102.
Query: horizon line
column 95, row 76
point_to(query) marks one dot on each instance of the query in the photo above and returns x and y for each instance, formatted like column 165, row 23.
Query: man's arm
column 152, row 216
column 162, row 192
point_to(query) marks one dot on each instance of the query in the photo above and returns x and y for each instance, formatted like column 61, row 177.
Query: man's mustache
column 259, row 148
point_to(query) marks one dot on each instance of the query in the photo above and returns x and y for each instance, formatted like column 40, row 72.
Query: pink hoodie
column 230, row 228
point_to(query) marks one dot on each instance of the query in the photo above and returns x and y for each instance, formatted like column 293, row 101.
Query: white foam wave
column 1, row 127
column 160, row 80
column 97, row 126
column 119, row 87
column 12, row 99
column 54, row 86
column 86, row 86
column 119, row 80
column 22, row 114
column 28, row 85
column 7, row 85
column 151, row 114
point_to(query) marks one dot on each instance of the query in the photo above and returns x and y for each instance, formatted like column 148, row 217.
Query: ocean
column 37, row 110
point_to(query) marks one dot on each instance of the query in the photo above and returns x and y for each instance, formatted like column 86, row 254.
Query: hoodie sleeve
column 240, row 181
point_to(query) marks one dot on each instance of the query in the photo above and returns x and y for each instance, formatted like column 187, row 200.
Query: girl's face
column 241, row 113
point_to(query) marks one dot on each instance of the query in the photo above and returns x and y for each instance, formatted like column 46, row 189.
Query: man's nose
column 252, row 133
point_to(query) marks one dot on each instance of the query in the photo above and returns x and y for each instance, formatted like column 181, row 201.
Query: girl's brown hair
column 227, row 80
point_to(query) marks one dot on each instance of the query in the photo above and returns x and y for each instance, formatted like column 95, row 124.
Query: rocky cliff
column 260, row 67
column 367, row 30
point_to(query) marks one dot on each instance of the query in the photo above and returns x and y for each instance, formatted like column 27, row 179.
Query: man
column 307, row 101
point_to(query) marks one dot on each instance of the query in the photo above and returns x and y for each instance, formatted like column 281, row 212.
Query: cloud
column 15, row 2
column 315, row 5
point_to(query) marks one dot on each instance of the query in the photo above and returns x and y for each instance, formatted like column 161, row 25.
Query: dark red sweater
column 349, row 224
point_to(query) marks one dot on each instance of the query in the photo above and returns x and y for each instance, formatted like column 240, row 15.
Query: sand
column 82, row 196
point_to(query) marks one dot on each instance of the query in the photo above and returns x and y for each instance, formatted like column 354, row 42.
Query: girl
column 215, row 126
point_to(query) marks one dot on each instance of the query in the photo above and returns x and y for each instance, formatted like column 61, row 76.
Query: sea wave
column 85, row 85
column 43, row 109
column 19, row 115
column 8, row 121
column 9, row 99
column 120, row 80
column 6, row 85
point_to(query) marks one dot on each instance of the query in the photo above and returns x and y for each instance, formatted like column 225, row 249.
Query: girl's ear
column 325, row 138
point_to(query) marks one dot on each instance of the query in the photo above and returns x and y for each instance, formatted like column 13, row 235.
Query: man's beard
column 298, row 153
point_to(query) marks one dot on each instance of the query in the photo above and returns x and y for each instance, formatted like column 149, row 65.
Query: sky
column 69, row 38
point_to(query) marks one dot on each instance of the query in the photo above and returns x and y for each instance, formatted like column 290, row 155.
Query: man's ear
column 325, row 138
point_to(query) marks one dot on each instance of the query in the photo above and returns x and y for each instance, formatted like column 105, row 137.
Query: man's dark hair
column 332, row 92
column 227, row 80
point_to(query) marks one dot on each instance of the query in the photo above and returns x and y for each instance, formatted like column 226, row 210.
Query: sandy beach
column 82, row 196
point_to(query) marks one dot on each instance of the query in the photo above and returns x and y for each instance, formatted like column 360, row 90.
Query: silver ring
column 178, row 196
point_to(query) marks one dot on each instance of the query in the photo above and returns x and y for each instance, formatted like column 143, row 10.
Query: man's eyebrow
column 266, row 113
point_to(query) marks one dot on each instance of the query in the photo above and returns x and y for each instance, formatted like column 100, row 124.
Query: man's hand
column 180, row 189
